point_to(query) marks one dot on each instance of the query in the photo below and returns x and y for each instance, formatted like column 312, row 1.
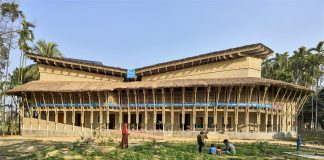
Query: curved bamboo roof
column 82, row 86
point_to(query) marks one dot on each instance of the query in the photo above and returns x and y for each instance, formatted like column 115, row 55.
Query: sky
column 131, row 34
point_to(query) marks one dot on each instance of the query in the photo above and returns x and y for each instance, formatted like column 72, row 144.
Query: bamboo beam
column 154, row 110
column 136, row 107
column 228, row 97
column 236, row 108
column 64, row 111
column 216, row 107
column 273, row 103
column 107, row 94
column 22, row 112
column 247, row 110
column 267, row 110
column 55, row 110
column 284, row 118
column 120, row 110
column 163, row 109
column 73, row 111
column 82, row 110
column 172, row 108
column 145, row 109
column 288, row 109
column 91, row 111
column 278, row 115
column 47, row 111
column 183, row 108
column 100, row 112
column 128, row 109
column 194, row 109
column 38, row 111
column 207, row 106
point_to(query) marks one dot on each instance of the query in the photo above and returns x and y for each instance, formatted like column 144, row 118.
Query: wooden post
column 22, row 112
column 278, row 114
column 289, row 115
column 183, row 108
column 64, row 111
column 120, row 110
column 293, row 118
column 107, row 94
column 38, row 109
column 206, row 107
column 128, row 109
column 266, row 114
column 216, row 107
column 136, row 109
column 194, row 110
column 145, row 109
column 91, row 111
column 272, row 114
column 154, row 110
column 100, row 111
column 163, row 109
column 47, row 111
column 172, row 108
column 55, row 110
column 247, row 115
column 73, row 111
column 82, row 110
column 283, row 113
column 237, row 107
column 226, row 109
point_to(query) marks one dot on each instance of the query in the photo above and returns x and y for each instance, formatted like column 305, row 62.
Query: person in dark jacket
column 201, row 140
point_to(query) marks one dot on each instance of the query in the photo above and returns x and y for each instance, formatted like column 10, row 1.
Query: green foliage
column 49, row 49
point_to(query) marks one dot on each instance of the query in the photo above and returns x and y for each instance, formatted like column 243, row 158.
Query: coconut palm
column 49, row 49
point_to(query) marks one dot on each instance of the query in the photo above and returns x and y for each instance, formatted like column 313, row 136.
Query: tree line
column 303, row 67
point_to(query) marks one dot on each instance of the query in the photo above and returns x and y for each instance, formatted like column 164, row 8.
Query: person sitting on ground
column 201, row 140
column 219, row 150
column 212, row 149
column 229, row 147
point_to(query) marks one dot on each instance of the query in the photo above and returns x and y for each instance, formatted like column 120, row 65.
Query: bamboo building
column 221, row 91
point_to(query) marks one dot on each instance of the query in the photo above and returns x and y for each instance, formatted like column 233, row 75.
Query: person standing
column 201, row 140
column 124, row 142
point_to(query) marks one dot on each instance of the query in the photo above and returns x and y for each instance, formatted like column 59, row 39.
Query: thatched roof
column 81, row 86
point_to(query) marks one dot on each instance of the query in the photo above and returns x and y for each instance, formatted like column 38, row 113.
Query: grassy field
column 106, row 148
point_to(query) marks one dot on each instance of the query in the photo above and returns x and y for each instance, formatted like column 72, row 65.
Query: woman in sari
column 124, row 142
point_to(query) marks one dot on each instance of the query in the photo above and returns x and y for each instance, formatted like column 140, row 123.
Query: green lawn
column 106, row 149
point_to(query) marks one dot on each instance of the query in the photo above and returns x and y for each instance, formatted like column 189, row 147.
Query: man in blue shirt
column 212, row 149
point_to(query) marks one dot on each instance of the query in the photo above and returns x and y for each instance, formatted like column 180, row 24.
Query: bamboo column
column 247, row 110
column 266, row 114
column 293, row 116
column 64, row 111
column 228, row 97
column 237, row 107
column 172, row 108
column 73, row 111
column 289, row 110
column 206, row 107
column 216, row 107
column 128, row 109
column 82, row 110
column 145, row 109
column 91, row 111
column 136, row 109
column 284, row 116
column 31, row 112
column 100, row 111
column 107, row 94
column 163, row 109
column 120, row 110
column 273, row 103
column 55, row 110
column 47, row 111
column 183, row 108
column 154, row 110
column 38, row 109
column 278, row 113
column 22, row 112
column 194, row 110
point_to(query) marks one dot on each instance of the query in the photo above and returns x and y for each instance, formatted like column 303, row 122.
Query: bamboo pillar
column 194, row 110
column 31, row 112
column 247, row 110
column 91, row 111
column 145, row 109
column 55, row 110
column 237, row 107
column 163, row 109
column 172, row 108
column 183, row 109
column 64, row 111
column 278, row 114
column 38, row 109
column 120, row 110
column 288, row 109
column 283, row 113
column 154, row 110
column 136, row 109
column 47, row 111
column 100, row 111
column 22, row 113
column 206, row 107
column 293, row 112
column 73, row 111
column 107, row 94
column 216, row 107
column 82, row 110
column 266, row 114
column 273, row 103
column 228, row 97
column 128, row 109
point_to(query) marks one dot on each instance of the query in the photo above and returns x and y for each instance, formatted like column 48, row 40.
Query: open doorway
column 159, row 124
column 187, row 122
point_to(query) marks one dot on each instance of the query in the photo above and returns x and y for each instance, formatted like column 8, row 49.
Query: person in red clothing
column 124, row 142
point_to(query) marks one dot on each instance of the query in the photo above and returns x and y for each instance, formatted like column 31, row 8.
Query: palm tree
column 11, row 11
column 319, row 56
column 49, row 49
column 277, row 68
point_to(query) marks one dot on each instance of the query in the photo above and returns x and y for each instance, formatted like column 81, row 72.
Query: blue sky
column 132, row 34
